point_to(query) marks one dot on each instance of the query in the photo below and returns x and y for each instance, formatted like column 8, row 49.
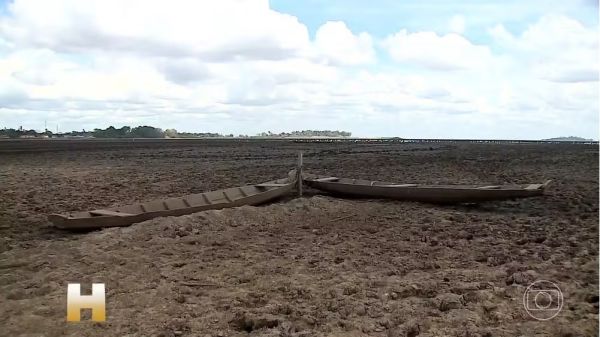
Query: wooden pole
column 299, row 172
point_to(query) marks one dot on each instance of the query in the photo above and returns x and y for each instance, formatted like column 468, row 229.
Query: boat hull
column 443, row 194
column 125, row 215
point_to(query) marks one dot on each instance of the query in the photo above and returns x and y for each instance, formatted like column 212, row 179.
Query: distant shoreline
column 307, row 139
column 569, row 139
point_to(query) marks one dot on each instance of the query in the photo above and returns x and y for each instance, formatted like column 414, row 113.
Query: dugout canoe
column 439, row 194
column 127, row 215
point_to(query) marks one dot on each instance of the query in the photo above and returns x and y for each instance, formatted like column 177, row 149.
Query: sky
column 380, row 68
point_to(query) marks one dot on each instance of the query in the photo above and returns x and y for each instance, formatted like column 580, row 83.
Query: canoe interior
column 126, row 215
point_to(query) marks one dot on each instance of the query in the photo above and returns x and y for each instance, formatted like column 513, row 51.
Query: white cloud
column 239, row 66
column 340, row 46
column 457, row 24
column 555, row 48
column 429, row 50
column 219, row 30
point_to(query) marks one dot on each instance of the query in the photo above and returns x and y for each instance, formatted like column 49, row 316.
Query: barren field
column 313, row 266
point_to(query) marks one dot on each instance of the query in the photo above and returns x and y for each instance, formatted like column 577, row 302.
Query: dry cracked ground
column 311, row 266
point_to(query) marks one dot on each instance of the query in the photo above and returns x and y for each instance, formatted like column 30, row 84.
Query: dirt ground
column 313, row 266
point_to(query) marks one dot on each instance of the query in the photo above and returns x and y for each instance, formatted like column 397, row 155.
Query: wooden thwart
column 227, row 197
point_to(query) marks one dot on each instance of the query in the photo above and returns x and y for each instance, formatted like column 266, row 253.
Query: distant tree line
column 307, row 133
column 172, row 133
column 21, row 133
column 110, row 132
column 128, row 132
column 152, row 132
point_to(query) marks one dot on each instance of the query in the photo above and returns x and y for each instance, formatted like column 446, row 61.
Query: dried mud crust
column 312, row 266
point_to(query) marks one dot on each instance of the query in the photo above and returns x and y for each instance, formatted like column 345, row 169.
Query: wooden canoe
column 127, row 215
column 439, row 194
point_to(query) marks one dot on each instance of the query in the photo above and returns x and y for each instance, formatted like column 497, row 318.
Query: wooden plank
column 397, row 185
column 270, row 185
column 109, row 213
column 299, row 174
column 327, row 179
column 491, row 187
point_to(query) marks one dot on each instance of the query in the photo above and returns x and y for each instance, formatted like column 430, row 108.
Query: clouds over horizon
column 240, row 66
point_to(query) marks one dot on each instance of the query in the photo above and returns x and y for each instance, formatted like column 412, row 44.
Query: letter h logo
column 96, row 301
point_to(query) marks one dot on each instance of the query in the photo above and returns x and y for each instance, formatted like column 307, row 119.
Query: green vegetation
column 21, row 133
column 127, row 132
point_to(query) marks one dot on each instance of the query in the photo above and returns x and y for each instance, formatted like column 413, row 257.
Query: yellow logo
column 96, row 301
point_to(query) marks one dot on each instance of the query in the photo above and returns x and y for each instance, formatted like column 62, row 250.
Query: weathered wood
column 129, row 214
column 327, row 179
column 443, row 194
column 109, row 213
column 299, row 174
